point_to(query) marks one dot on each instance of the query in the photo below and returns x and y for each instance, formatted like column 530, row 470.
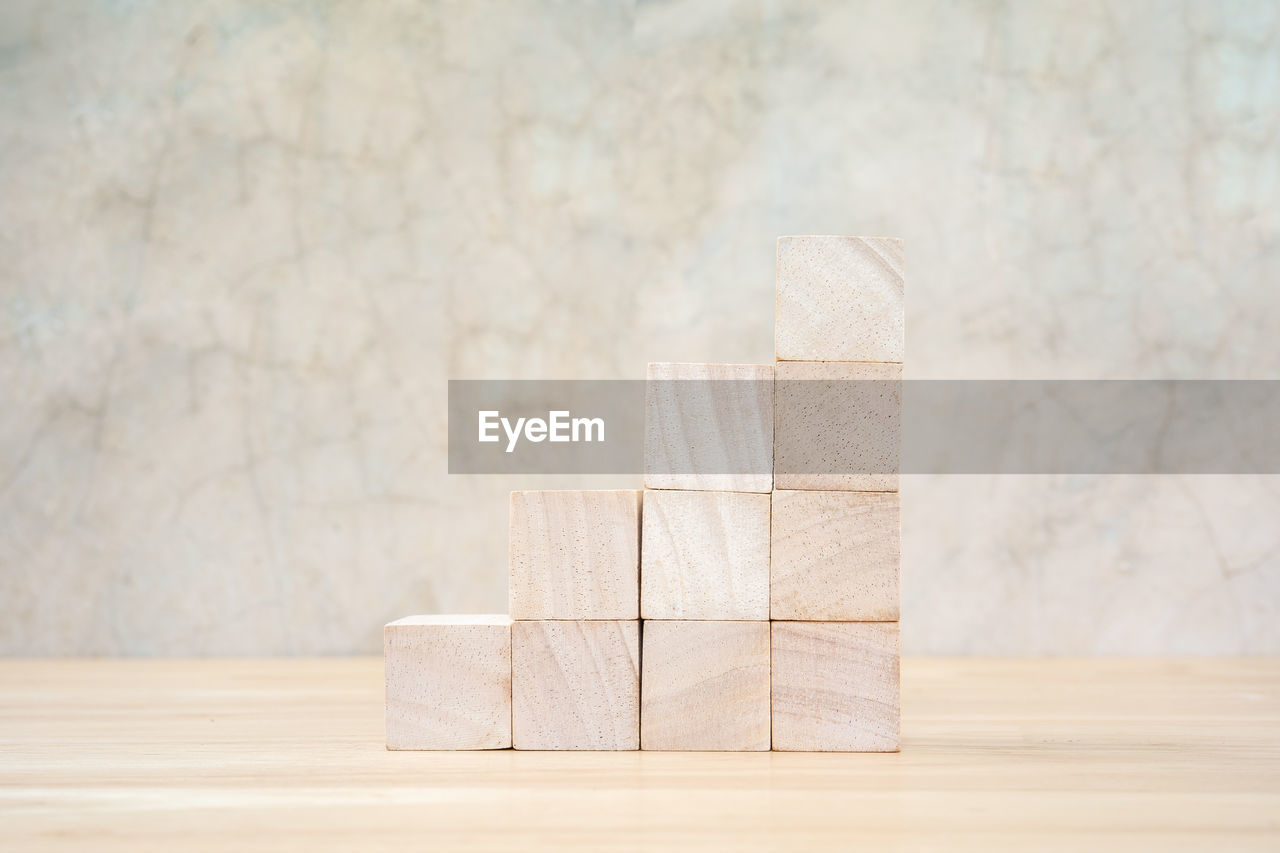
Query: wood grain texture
column 709, row 427
column 837, row 425
column 575, row 555
column 1007, row 755
column 448, row 682
column 839, row 299
column 704, row 555
column 835, row 686
column 836, row 556
column 575, row 685
column 705, row 686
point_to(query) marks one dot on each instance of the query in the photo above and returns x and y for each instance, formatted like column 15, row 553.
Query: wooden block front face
column 705, row 686
column 448, row 682
column 575, row 685
column 837, row 426
column 839, row 299
column 705, row 555
column 835, row 686
column 836, row 556
column 709, row 427
column 575, row 555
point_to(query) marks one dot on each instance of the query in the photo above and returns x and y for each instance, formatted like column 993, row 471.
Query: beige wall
column 244, row 245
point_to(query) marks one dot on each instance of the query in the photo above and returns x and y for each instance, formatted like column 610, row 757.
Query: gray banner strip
column 870, row 427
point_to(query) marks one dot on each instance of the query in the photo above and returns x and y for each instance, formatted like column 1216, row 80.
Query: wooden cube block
column 839, row 299
column 835, row 687
column 575, row 685
column 575, row 555
column 448, row 681
column 837, row 425
column 836, row 556
column 704, row 555
column 709, row 427
column 705, row 686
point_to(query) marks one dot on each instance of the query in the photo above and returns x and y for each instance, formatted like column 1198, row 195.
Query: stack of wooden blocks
column 747, row 600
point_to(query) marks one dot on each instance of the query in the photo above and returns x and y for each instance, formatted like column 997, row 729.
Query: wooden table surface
column 287, row 754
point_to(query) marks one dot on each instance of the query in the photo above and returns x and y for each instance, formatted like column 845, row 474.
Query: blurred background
column 243, row 246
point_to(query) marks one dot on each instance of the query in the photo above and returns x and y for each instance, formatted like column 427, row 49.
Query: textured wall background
column 244, row 245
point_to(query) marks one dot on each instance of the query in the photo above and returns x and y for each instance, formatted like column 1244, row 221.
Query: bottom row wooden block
column 448, row 682
column 705, row 686
column 575, row 685
column 488, row 683
column 835, row 686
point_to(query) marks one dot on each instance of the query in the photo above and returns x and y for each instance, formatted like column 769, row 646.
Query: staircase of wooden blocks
column 746, row 600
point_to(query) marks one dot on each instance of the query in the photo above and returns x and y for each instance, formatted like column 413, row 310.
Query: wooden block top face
column 705, row 555
column 495, row 619
column 836, row 686
column 575, row 555
column 575, row 685
column 709, row 427
column 836, row 556
column 837, row 426
column 448, row 682
column 705, row 686
column 839, row 299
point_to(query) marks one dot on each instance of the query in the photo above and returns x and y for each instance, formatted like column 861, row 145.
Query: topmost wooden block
column 839, row 299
